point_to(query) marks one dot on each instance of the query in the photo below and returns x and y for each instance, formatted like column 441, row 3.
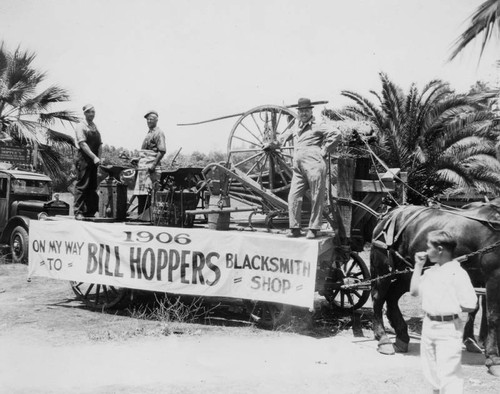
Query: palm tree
column 442, row 139
column 26, row 116
column 484, row 20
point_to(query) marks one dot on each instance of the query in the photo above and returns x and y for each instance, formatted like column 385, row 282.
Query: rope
column 460, row 259
column 370, row 281
column 485, row 250
column 490, row 223
column 373, row 156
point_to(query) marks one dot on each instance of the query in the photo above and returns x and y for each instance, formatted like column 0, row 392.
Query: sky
column 194, row 60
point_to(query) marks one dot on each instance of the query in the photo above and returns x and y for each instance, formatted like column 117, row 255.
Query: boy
column 446, row 291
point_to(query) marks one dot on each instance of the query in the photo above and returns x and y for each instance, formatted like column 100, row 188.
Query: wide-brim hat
column 152, row 112
column 304, row 103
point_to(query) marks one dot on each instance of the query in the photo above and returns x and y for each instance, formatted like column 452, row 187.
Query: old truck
column 24, row 196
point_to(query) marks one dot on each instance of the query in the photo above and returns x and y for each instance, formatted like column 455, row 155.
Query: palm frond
column 4, row 60
column 483, row 160
column 49, row 117
column 483, row 21
column 442, row 139
column 366, row 106
column 27, row 116
column 44, row 100
column 20, row 70
column 59, row 139
column 50, row 160
column 25, row 131
column 17, row 93
column 455, row 176
column 393, row 100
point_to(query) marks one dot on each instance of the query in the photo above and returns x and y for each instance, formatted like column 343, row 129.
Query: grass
column 157, row 315
column 173, row 313
column 168, row 309
column 5, row 256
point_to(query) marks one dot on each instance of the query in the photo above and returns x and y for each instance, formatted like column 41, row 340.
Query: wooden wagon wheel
column 268, row 315
column 250, row 146
column 100, row 297
column 347, row 272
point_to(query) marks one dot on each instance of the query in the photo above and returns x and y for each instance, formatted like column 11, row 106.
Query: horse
column 402, row 232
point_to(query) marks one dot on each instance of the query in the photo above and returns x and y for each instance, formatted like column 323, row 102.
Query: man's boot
column 311, row 234
column 293, row 233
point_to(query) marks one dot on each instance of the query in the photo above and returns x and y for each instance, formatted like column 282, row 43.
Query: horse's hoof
column 386, row 348
column 472, row 346
column 400, row 346
column 494, row 370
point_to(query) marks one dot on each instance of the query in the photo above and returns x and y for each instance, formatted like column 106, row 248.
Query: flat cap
column 151, row 113
column 86, row 107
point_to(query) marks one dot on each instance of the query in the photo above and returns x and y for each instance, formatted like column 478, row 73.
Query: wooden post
column 345, row 189
column 34, row 158
column 402, row 187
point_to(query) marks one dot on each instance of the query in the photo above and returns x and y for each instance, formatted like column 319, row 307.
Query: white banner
column 250, row 265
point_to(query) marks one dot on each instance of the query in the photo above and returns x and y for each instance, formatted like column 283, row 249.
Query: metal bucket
column 219, row 221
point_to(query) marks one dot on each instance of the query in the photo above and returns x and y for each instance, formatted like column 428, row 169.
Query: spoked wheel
column 268, row 315
column 252, row 147
column 100, row 297
column 350, row 272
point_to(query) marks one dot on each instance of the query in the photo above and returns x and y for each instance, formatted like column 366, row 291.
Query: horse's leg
column 469, row 325
column 379, row 266
column 483, row 328
column 396, row 290
column 469, row 338
column 492, row 351
column 379, row 293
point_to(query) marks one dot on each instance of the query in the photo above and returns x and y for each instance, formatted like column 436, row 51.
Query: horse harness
column 387, row 238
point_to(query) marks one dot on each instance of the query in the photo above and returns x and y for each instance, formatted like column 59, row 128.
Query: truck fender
column 11, row 225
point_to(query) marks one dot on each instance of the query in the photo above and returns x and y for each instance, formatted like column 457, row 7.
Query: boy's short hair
column 442, row 238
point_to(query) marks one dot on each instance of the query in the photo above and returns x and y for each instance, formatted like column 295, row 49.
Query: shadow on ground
column 324, row 322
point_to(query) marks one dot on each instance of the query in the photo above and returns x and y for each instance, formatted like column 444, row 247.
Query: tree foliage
column 172, row 160
column 484, row 21
column 27, row 116
column 442, row 139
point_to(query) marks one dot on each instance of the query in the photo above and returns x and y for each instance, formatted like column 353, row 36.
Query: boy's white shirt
column 445, row 289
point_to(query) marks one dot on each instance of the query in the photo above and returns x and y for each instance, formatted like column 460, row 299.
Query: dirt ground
column 51, row 343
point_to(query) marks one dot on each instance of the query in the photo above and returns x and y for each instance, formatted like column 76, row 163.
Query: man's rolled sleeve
column 333, row 136
column 80, row 134
column 161, row 144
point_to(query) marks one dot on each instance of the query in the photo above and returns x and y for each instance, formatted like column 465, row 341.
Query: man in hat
column 89, row 144
column 312, row 143
column 152, row 151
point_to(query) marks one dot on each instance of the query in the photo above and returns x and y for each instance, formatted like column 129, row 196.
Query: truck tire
column 19, row 245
